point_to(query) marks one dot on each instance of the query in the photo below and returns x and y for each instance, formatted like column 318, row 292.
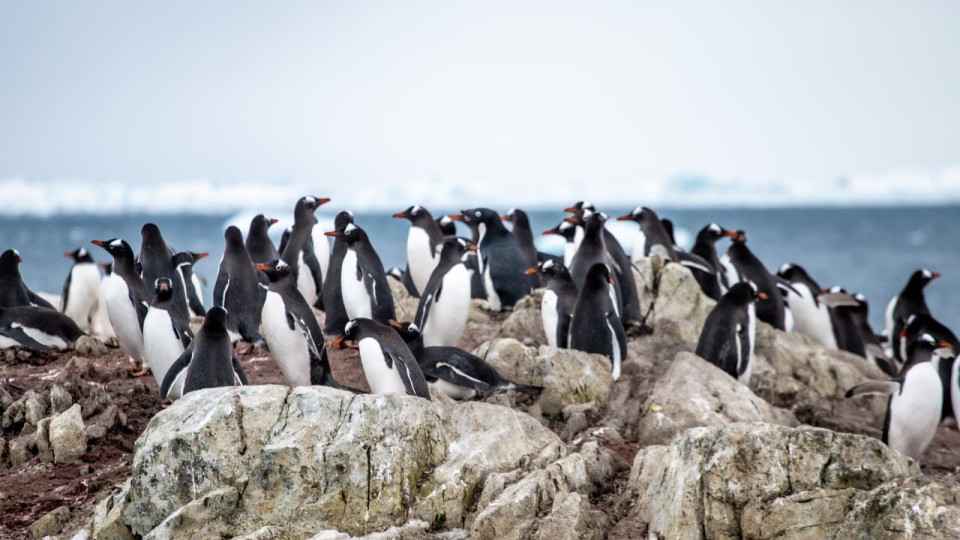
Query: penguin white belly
column 198, row 287
column 636, row 250
column 752, row 336
column 420, row 257
column 84, row 295
column 492, row 297
column 888, row 317
column 616, row 351
column 356, row 300
column 382, row 379
column 569, row 250
column 578, row 235
column 955, row 388
column 43, row 338
column 448, row 314
column 733, row 275
column 305, row 283
column 160, row 344
column 101, row 320
column 454, row 391
column 176, row 389
column 288, row 347
column 123, row 317
column 914, row 411
column 321, row 249
column 810, row 319
column 6, row 343
column 788, row 322
column 548, row 312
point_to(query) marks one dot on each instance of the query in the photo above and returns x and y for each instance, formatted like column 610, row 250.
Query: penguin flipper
column 883, row 388
column 423, row 309
column 837, row 300
column 295, row 322
column 185, row 335
column 614, row 321
column 238, row 370
column 36, row 300
column 456, row 375
column 21, row 337
column 563, row 330
column 410, row 373
column 179, row 365
column 65, row 295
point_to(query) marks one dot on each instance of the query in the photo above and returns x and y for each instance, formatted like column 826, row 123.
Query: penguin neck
column 706, row 248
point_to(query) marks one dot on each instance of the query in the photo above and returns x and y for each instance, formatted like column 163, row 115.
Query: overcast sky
column 577, row 94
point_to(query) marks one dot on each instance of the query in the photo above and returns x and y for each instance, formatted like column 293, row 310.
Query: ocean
column 867, row 250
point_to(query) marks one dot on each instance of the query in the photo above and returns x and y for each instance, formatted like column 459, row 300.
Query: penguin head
column 261, row 222
column 565, row 229
column 548, row 267
column 107, row 267
column 10, row 260
column 164, row 289
column 640, row 214
column 744, row 292
column 342, row 219
column 407, row 330
column 455, row 248
column 233, row 236
column 475, row 216
column 306, row 206
column 447, row 226
column 713, row 232
column 351, row 332
column 739, row 237
column 415, row 213
column 116, row 247
column 350, row 234
column 275, row 270
column 922, row 277
column 215, row 320
column 151, row 238
column 80, row 255
column 579, row 207
column 188, row 258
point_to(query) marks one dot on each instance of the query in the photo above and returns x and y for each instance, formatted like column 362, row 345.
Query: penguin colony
column 265, row 296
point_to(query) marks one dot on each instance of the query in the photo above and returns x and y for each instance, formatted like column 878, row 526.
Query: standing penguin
column 445, row 301
column 126, row 301
column 811, row 317
column 524, row 235
column 37, row 328
column 292, row 332
column 184, row 262
column 595, row 326
column 237, row 289
column 388, row 364
column 593, row 250
column 875, row 352
column 423, row 245
column 258, row 243
column 657, row 239
column 916, row 399
column 209, row 361
column 81, row 292
column 156, row 261
column 165, row 335
column 501, row 260
column 298, row 251
column 363, row 283
column 568, row 231
column 728, row 334
column 13, row 291
column 331, row 297
column 556, row 307
column 910, row 301
column 101, row 323
column 705, row 246
column 843, row 319
column 749, row 267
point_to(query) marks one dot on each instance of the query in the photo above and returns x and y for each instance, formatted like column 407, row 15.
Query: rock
column 694, row 393
column 96, row 432
column 720, row 477
column 920, row 507
column 19, row 449
column 60, row 399
column 44, row 450
column 234, row 461
column 3, row 448
column 68, row 437
column 671, row 299
column 96, row 401
column 525, row 322
column 51, row 523
column 5, row 399
column 35, row 408
column 404, row 304
column 107, row 522
column 414, row 530
column 567, row 376
column 90, row 346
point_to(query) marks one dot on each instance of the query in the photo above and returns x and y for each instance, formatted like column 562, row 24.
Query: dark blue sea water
column 868, row 250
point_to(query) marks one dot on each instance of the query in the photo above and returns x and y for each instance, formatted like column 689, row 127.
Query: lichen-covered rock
column 51, row 523
column 404, row 303
column 671, row 299
column 90, row 346
column 68, row 437
column 525, row 322
column 60, row 399
column 234, row 461
column 568, row 376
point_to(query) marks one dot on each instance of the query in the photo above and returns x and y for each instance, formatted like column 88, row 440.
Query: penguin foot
column 136, row 371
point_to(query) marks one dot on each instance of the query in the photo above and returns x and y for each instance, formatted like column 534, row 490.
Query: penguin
column 126, row 301
column 925, row 325
column 595, row 326
column 320, row 245
column 363, row 282
column 101, row 322
column 705, row 247
column 556, row 307
column 331, row 297
column 453, row 371
column 209, row 362
column 568, row 231
column 872, row 347
column 156, row 261
column 284, row 240
column 13, row 291
column 811, row 317
column 445, row 301
column 916, row 399
column 657, row 239
column 843, row 320
column 520, row 223
column 298, row 250
column 37, row 328
column 237, row 289
column 593, row 251
column 909, row 302
column 165, row 335
column 501, row 262
column 447, row 226
column 258, row 243
column 184, row 262
column 388, row 364
column 291, row 330
column 729, row 333
column 423, row 245
column 749, row 267
column 80, row 299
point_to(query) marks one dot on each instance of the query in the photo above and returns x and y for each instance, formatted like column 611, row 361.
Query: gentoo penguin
column 568, row 231
column 363, row 283
column 101, row 322
column 298, row 252
column 165, row 335
column 331, row 297
column 126, row 301
column 875, row 352
column 749, row 267
column 156, row 261
column 423, row 245
column 37, row 328
column 81, row 292
column 843, row 320
column 918, row 326
column 705, row 247
column 811, row 317
column 520, row 223
column 320, row 245
column 445, row 301
column 916, row 398
column 284, row 240
column 388, row 364
column 556, row 307
column 13, row 291
column 453, row 371
column 910, row 301
column 500, row 260
column 258, row 243
column 209, row 361
column 657, row 239
column 595, row 326
column 728, row 334
column 593, row 250
column 291, row 330
column 447, row 226
column 184, row 262
column 237, row 289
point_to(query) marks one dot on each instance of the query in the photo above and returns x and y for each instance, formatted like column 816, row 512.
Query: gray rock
column 525, row 322
column 20, row 447
column 90, row 346
column 35, row 407
column 68, row 437
column 920, row 507
column 60, row 399
column 51, row 523
column 107, row 522
column 695, row 393
column 5, row 399
column 568, row 377
column 671, row 299
column 44, row 450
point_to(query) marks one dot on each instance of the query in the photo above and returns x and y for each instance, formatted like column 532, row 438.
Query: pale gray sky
column 373, row 94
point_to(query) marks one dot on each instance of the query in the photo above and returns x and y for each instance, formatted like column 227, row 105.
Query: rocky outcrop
column 670, row 299
column 525, row 322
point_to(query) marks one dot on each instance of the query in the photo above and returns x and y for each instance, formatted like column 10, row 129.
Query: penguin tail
column 525, row 388
column 883, row 388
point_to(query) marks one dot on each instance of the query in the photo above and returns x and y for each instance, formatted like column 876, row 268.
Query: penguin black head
column 548, row 267
column 150, row 236
column 415, row 213
column 744, row 292
column 233, row 236
column 261, row 221
column 713, row 232
column 456, row 247
column 920, row 278
column 408, row 331
column 739, row 237
column 188, row 258
column 306, row 206
column 80, row 255
column 350, row 234
column 796, row 273
column 516, row 216
column 598, row 275
column 116, row 247
column 276, row 270
column 10, row 260
column 215, row 321
column 351, row 332
column 565, row 229
column 342, row 219
column 164, row 289
column 447, row 226
column 579, row 207
column 478, row 215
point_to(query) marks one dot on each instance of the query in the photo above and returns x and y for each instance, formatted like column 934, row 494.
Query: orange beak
column 100, row 243
column 549, row 232
column 944, row 345
column 903, row 333
column 274, row 221
column 731, row 234
column 455, row 217
column 935, row 275
column 395, row 324
column 338, row 343
column 571, row 209
column 102, row 265
column 332, row 233
column 202, row 255
column 530, row 271
column 572, row 219
column 627, row 217
column 262, row 267
column 504, row 218
column 68, row 254
column 324, row 200
column 762, row 296
column 399, row 215
column 471, row 247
